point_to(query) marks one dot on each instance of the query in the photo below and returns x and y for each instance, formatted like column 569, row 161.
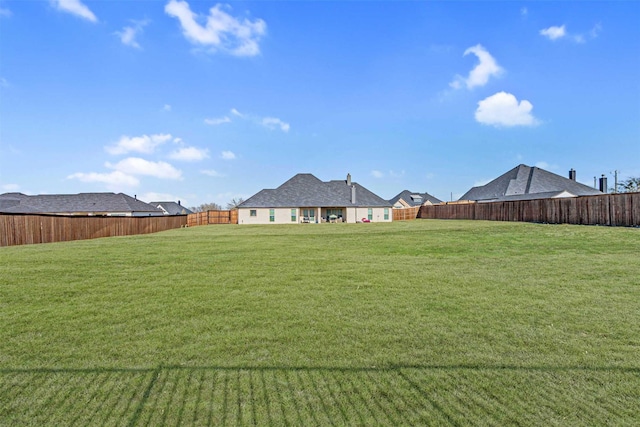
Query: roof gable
column 305, row 190
column 412, row 198
column 171, row 208
column 75, row 203
column 526, row 180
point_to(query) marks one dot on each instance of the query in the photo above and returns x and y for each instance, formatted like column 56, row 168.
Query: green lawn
column 410, row 323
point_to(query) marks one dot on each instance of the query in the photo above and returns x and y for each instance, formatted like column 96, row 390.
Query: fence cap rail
column 21, row 229
column 615, row 209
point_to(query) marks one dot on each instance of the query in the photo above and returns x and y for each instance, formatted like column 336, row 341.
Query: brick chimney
column 603, row 183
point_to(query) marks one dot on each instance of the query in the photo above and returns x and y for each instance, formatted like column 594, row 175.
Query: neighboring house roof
column 414, row 199
column 101, row 203
column 172, row 208
column 305, row 190
column 535, row 196
column 525, row 182
column 9, row 201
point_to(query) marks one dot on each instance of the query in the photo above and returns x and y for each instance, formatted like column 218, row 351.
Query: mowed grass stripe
column 498, row 396
column 61, row 398
column 423, row 322
column 202, row 396
column 334, row 408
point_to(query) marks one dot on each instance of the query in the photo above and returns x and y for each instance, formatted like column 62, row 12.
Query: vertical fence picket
column 607, row 209
column 213, row 217
column 20, row 229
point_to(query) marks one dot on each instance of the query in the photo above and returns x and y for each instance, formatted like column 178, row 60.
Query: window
column 272, row 215
column 253, row 212
column 386, row 214
column 336, row 212
column 370, row 214
column 293, row 215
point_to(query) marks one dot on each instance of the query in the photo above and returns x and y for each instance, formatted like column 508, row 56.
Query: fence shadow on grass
column 276, row 396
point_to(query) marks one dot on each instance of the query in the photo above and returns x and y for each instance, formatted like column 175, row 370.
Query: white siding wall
column 356, row 214
column 378, row 214
column 352, row 214
column 283, row 215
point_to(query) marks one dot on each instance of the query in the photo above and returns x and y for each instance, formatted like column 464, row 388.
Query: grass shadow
column 274, row 396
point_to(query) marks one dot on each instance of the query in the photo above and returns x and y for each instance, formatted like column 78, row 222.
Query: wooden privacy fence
column 621, row 209
column 404, row 214
column 213, row 217
column 22, row 229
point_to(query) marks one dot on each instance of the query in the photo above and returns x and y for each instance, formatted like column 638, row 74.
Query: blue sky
column 203, row 102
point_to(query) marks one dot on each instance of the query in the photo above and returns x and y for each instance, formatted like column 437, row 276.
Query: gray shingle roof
column 527, row 180
column 305, row 190
column 74, row 203
column 533, row 196
column 172, row 208
column 9, row 201
column 406, row 195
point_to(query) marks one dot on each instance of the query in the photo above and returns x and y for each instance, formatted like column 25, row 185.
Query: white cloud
column 4, row 82
column 152, row 196
column 504, row 110
column 274, row 123
column 211, row 172
column 554, row 33
column 190, row 154
column 138, row 166
column 141, row 144
column 224, row 198
column 220, row 31
column 542, row 165
column 228, row 155
column 5, row 12
column 217, row 121
column 75, row 7
column 128, row 35
column 524, row 11
column 390, row 174
column 166, row 107
column 10, row 187
column 546, row 166
column 479, row 76
column 113, row 179
column 481, row 182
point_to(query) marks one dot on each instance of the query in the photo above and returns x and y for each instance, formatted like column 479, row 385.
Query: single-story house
column 91, row 204
column 410, row 199
column 527, row 183
column 306, row 199
column 172, row 208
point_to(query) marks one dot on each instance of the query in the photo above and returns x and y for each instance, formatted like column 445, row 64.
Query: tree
column 631, row 185
column 207, row 207
column 233, row 204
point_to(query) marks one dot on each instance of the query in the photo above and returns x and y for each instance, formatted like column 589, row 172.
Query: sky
column 206, row 102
